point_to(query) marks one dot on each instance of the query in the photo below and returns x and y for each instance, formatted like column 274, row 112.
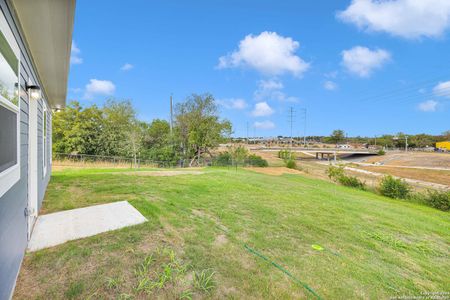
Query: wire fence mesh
column 87, row 160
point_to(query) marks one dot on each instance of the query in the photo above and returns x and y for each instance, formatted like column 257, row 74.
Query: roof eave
column 48, row 26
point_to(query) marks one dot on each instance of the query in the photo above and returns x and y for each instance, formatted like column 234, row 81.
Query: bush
column 337, row 174
column 285, row 154
column 223, row 159
column 394, row 188
column 257, row 161
column 351, row 181
column 381, row 152
column 290, row 163
column 438, row 199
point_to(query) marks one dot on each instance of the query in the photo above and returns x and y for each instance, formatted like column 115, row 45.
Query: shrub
column 257, row 161
column 223, row 159
column 351, row 181
column 290, row 163
column 381, row 152
column 334, row 172
column 438, row 199
column 394, row 188
column 337, row 174
column 285, row 154
column 238, row 154
column 282, row 154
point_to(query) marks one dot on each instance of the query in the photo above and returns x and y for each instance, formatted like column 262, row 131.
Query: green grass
column 341, row 242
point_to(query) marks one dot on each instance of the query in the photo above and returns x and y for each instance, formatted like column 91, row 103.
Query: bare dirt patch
column 276, row 171
column 435, row 176
column 220, row 240
column 416, row 159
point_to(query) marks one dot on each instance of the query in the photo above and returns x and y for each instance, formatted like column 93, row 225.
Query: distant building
column 443, row 145
column 344, row 146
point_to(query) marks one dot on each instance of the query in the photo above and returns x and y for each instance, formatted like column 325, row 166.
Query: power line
column 304, row 125
column 291, row 121
column 171, row 115
column 409, row 92
column 412, row 87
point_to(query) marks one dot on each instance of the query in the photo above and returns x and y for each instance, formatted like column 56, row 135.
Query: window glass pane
column 8, row 138
column 9, row 65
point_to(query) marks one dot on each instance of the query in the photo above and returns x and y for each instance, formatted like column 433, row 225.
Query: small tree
column 394, row 188
column 199, row 127
column 238, row 154
column 337, row 136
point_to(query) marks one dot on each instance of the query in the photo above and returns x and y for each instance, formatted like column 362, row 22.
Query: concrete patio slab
column 57, row 228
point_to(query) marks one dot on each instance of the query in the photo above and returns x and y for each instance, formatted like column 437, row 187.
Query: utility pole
column 291, row 121
column 304, row 126
column 406, row 143
column 247, row 134
column 171, row 115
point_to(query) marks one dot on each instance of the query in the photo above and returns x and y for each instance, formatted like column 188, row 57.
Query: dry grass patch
column 435, row 176
column 275, row 171
column 418, row 159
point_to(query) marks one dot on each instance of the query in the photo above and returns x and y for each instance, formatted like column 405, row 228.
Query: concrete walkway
column 57, row 228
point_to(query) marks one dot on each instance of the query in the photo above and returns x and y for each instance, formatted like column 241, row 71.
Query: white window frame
column 11, row 176
column 44, row 137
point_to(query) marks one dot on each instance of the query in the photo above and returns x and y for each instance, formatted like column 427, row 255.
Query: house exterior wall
column 13, row 222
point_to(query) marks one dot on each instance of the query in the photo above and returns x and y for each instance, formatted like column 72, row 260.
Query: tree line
column 388, row 140
column 114, row 130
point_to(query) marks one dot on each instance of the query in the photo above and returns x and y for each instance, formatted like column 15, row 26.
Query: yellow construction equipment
column 443, row 145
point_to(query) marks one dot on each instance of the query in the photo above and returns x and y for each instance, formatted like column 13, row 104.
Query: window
column 9, row 108
column 44, row 137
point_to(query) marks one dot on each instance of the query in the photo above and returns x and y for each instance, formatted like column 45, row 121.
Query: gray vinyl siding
column 13, row 223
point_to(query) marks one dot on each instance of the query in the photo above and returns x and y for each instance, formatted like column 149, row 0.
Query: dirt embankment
column 413, row 159
column 421, row 167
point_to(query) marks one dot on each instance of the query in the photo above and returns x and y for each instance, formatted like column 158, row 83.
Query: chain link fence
column 93, row 161
column 86, row 160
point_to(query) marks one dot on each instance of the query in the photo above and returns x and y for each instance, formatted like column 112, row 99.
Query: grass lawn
column 340, row 242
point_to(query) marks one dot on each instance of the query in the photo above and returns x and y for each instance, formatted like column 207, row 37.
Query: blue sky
column 362, row 66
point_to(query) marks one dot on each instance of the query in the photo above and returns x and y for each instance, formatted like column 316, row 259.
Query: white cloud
column 75, row 52
column 330, row 85
column 442, row 89
column 404, row 18
column 362, row 61
column 75, row 90
column 264, row 125
column 271, row 84
column 262, row 109
column 272, row 90
column 233, row 103
column 99, row 87
column 268, row 53
column 428, row 106
column 332, row 74
column 127, row 67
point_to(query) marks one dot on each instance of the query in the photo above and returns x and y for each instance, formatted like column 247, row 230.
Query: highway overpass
column 322, row 153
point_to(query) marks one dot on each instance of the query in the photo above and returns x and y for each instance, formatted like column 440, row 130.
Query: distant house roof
column 48, row 26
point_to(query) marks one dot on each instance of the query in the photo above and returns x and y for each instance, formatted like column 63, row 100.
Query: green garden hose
column 258, row 254
column 295, row 279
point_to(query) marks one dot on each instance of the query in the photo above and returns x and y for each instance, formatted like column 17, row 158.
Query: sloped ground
column 416, row 159
column 208, row 236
